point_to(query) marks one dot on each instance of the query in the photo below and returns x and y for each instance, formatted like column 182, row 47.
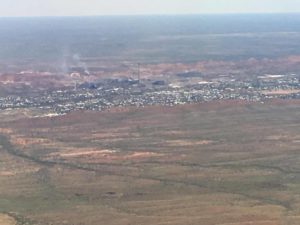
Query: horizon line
column 154, row 14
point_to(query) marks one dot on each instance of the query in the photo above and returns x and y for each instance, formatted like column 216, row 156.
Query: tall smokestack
column 139, row 72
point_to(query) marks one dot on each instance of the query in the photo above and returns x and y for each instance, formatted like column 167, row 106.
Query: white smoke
column 77, row 60
column 65, row 60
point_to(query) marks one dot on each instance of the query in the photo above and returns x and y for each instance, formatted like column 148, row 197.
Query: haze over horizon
column 37, row 8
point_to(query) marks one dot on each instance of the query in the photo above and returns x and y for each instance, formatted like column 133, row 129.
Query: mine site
column 150, row 119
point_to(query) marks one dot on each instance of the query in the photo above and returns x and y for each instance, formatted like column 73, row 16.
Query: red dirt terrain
column 155, row 165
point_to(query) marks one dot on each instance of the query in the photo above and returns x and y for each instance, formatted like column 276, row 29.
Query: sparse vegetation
column 156, row 165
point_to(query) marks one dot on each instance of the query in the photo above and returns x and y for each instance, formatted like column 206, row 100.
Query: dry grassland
column 221, row 163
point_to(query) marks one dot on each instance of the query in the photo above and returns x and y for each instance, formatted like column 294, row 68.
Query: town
column 185, row 88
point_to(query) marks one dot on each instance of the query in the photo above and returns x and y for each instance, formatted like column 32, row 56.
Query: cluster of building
column 124, row 92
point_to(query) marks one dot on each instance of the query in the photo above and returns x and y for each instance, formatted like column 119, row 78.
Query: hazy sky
column 113, row 7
